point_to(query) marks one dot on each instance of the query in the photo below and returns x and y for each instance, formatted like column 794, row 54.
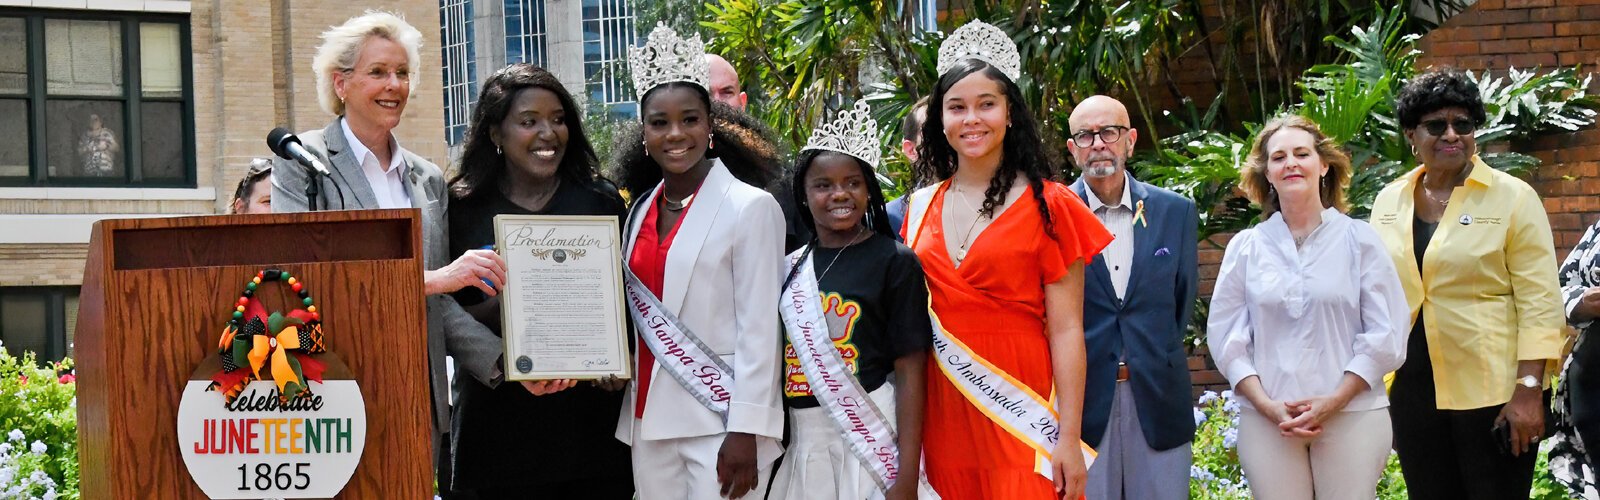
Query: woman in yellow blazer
column 1476, row 258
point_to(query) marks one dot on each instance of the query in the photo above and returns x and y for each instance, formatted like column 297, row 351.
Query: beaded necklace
column 252, row 338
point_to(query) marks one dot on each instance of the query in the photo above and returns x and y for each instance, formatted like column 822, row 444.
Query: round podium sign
column 257, row 447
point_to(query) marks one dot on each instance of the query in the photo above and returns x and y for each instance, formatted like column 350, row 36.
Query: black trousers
column 1453, row 454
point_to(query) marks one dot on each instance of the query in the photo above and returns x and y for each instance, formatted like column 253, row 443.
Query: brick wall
column 252, row 72
column 1492, row 35
column 1495, row 35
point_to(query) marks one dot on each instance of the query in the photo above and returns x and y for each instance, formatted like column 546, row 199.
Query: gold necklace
column 961, row 252
column 676, row 206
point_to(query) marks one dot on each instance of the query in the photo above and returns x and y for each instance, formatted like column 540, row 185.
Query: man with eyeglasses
column 1138, row 294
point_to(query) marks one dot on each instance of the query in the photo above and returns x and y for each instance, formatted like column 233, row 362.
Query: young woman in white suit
column 708, row 247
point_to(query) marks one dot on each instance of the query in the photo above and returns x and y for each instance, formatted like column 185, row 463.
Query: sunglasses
column 1108, row 135
column 1462, row 126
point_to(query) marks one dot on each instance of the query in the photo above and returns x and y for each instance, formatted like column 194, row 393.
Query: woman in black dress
column 527, row 154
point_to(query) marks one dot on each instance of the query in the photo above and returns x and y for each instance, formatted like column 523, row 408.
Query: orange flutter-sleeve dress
column 994, row 303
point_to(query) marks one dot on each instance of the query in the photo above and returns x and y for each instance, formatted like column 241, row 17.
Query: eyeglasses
column 1108, row 135
column 1462, row 126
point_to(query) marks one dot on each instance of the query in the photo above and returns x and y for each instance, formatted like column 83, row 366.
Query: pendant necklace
column 961, row 252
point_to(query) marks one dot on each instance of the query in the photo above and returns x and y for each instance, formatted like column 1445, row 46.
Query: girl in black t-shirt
column 875, row 305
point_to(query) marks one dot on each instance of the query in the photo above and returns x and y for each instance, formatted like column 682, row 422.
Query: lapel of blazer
column 635, row 219
column 1145, row 234
column 692, row 233
column 1098, row 276
column 347, row 167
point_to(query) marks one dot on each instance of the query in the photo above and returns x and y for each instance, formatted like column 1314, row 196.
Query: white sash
column 859, row 420
column 678, row 350
column 1007, row 402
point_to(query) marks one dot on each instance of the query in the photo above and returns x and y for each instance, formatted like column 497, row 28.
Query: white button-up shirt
column 1300, row 318
column 1118, row 218
column 388, row 183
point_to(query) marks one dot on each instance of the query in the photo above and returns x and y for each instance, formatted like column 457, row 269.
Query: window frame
column 55, row 321
column 132, row 100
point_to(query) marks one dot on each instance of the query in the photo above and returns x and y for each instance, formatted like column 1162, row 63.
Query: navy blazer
column 1146, row 329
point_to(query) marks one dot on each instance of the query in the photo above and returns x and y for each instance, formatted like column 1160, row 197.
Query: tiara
column 984, row 42
column 854, row 133
column 666, row 58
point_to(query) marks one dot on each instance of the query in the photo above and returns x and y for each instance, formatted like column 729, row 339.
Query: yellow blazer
column 1487, row 285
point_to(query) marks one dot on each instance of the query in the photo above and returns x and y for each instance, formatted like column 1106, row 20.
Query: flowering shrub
column 1216, row 474
column 38, row 429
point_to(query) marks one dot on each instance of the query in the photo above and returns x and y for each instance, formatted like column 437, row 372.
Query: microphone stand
column 312, row 189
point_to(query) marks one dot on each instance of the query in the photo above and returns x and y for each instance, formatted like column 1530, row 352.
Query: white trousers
column 684, row 469
column 1344, row 462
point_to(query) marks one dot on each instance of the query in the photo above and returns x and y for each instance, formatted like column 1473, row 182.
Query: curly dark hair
column 1022, row 150
column 482, row 167
column 877, row 216
column 1436, row 89
column 743, row 144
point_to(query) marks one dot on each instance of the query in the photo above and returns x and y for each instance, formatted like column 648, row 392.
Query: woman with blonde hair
column 1306, row 319
column 365, row 69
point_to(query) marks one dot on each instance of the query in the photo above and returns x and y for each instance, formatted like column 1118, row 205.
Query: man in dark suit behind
column 1137, row 298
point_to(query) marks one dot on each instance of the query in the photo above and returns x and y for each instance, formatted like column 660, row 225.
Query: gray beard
column 1103, row 171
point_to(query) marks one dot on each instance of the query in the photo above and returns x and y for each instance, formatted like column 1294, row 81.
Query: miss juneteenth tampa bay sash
column 859, row 420
column 1006, row 401
column 678, row 350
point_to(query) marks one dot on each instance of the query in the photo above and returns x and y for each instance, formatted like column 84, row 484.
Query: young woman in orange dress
column 1003, row 246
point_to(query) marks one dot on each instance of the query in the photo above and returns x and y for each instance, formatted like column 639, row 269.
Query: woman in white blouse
column 1307, row 317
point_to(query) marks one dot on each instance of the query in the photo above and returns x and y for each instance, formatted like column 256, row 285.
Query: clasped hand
column 1303, row 418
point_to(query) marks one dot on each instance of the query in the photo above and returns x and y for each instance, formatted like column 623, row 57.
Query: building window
column 460, row 68
column 40, row 320
column 608, row 32
column 95, row 99
column 525, row 32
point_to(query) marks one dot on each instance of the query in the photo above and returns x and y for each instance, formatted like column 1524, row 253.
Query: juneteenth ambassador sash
column 1007, row 402
column 679, row 352
column 860, row 421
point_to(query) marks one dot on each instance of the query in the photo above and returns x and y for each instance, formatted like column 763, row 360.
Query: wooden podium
column 157, row 293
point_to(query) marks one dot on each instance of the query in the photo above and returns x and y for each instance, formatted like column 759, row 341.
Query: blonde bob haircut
column 341, row 46
column 1253, row 178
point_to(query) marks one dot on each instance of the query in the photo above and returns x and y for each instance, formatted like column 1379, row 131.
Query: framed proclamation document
column 562, row 303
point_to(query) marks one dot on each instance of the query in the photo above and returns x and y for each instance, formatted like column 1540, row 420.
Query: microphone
column 287, row 146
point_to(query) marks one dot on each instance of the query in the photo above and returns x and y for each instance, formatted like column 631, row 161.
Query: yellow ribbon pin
column 1138, row 215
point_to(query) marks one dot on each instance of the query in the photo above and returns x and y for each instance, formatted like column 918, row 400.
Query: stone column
column 564, row 45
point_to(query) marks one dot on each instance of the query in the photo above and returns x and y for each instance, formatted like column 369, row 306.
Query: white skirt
column 818, row 464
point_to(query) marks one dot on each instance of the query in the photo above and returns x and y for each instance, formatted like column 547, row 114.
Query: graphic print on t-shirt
column 841, row 315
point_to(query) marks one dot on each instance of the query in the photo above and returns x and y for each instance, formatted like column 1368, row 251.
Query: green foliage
column 38, row 429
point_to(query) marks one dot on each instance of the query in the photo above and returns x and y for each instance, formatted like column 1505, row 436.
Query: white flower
column 1208, row 397
column 1199, row 417
column 50, row 494
column 1230, row 437
column 5, row 449
column 16, row 435
column 38, row 447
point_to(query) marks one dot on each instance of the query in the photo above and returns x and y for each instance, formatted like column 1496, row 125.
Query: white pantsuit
column 723, row 275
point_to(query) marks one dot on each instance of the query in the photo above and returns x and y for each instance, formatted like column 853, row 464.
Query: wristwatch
column 1529, row 381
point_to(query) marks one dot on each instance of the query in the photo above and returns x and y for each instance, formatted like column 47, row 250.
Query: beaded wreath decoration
column 253, row 338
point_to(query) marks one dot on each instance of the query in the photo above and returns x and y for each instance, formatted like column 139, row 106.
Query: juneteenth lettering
column 887, row 453
column 275, row 436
